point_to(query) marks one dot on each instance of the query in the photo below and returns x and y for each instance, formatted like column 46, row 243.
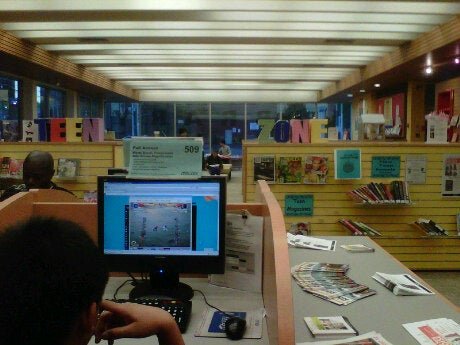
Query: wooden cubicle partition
column 276, row 284
column 41, row 202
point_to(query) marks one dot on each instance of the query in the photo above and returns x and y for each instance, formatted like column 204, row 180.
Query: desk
column 383, row 312
column 227, row 299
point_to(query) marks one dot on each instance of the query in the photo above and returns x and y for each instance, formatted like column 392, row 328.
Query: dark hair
column 51, row 272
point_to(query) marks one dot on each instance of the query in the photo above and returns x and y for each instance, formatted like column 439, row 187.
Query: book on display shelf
column 67, row 168
column 289, row 169
column 357, row 248
column 264, row 168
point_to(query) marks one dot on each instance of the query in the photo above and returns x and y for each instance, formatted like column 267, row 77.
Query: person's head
column 222, row 143
column 214, row 153
column 54, row 276
column 183, row 132
column 38, row 170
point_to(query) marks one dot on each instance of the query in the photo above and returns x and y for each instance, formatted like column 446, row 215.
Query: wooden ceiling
column 216, row 50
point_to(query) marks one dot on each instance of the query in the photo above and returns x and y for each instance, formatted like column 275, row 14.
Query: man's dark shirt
column 212, row 160
column 23, row 188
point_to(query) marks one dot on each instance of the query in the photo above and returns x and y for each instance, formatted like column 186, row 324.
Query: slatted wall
column 401, row 237
column 95, row 158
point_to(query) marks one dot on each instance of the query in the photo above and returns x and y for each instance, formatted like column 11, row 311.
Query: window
column 157, row 117
column 50, row 102
column 257, row 111
column 9, row 99
column 194, row 117
column 227, row 123
column 88, row 107
column 122, row 118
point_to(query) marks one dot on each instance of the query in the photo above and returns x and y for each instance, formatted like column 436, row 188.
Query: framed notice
column 415, row 169
column 298, row 205
column 347, row 164
column 451, row 176
column 385, row 166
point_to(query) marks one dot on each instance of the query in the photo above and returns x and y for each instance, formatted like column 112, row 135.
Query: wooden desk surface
column 384, row 312
column 227, row 299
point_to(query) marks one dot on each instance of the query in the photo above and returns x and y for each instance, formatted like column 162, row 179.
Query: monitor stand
column 163, row 283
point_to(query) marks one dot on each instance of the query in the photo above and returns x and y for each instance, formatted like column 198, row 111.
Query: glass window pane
column 50, row 102
column 157, row 117
column 9, row 99
column 84, row 106
column 119, row 118
column 227, row 123
column 194, row 117
column 257, row 111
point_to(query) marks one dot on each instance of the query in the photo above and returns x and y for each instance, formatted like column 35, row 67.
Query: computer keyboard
column 179, row 309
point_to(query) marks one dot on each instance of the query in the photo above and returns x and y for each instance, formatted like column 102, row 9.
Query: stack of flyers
column 330, row 282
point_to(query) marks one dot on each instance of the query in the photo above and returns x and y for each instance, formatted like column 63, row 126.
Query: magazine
column 68, row 168
column 264, row 168
column 373, row 338
column 213, row 321
column 315, row 170
column 329, row 326
column 289, row 170
column 402, row 284
column 435, row 331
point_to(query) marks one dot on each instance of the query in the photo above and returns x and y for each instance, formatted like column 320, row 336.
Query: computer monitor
column 163, row 227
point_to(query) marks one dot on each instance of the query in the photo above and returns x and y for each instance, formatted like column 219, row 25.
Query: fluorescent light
column 376, row 85
column 349, row 95
column 457, row 60
column 362, row 90
column 428, row 70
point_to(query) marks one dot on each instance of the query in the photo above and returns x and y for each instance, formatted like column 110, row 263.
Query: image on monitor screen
column 162, row 227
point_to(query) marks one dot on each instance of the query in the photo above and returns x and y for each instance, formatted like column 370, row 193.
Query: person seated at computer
column 225, row 153
column 37, row 172
column 56, row 278
column 214, row 163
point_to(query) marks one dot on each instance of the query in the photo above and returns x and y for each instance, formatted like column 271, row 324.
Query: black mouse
column 235, row 327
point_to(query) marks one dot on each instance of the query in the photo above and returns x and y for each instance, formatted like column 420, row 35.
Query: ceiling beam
column 441, row 36
column 13, row 47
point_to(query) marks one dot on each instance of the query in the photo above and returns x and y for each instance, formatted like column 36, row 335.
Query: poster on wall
column 264, row 168
column 451, row 176
column 385, row 166
column 298, row 205
column 289, row 169
column 347, row 164
column 416, row 169
column 315, row 169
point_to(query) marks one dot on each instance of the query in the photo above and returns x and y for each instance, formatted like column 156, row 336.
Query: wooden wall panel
column 396, row 223
column 95, row 158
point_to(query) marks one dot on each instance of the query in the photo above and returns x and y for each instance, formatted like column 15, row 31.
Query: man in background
column 37, row 172
column 214, row 163
column 224, row 152
column 56, row 277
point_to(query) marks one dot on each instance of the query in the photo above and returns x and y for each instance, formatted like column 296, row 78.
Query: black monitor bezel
column 182, row 264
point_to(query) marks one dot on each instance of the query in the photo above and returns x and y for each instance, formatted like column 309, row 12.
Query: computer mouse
column 235, row 327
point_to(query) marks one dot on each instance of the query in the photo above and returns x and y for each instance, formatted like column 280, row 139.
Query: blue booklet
column 218, row 320
column 347, row 164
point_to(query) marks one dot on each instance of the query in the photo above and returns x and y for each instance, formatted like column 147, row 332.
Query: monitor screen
column 178, row 222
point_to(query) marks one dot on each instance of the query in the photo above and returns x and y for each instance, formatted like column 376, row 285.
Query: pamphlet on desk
column 435, row 331
column 402, row 284
column 324, row 326
column 302, row 241
column 213, row 323
column 357, row 248
column 243, row 253
column 371, row 338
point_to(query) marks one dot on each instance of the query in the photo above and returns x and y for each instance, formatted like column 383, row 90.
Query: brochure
column 402, row 284
column 357, row 248
column 309, row 242
column 213, row 322
column 329, row 326
column 435, row 331
column 347, row 164
column 373, row 338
